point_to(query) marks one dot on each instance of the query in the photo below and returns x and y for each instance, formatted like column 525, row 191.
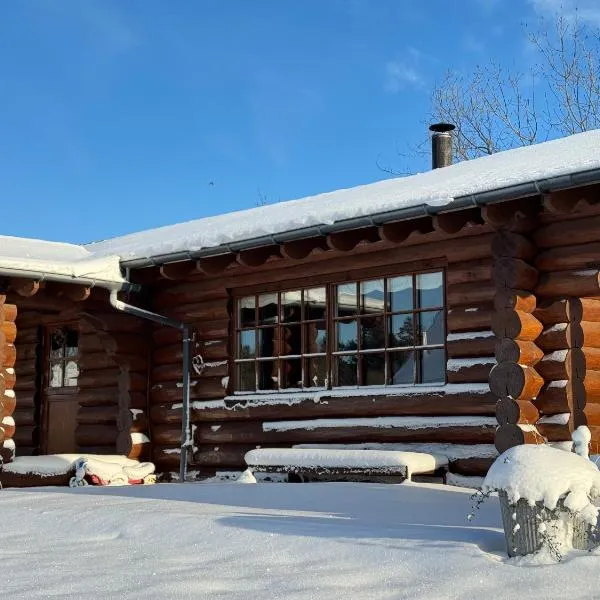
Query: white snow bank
column 407, row 462
column 582, row 437
column 287, row 542
column 470, row 335
column 450, row 451
column 53, row 258
column 435, row 188
column 246, row 477
column 59, row 464
column 382, row 422
column 539, row 473
column 289, row 397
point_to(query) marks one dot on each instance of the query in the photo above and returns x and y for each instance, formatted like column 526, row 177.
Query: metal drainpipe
column 186, row 442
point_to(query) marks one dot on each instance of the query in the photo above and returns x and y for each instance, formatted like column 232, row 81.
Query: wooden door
column 60, row 403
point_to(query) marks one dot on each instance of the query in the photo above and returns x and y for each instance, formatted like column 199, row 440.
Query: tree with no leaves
column 496, row 108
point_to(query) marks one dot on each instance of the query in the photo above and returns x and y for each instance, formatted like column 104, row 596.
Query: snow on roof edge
column 500, row 172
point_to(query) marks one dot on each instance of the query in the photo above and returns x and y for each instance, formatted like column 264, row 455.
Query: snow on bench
column 344, row 462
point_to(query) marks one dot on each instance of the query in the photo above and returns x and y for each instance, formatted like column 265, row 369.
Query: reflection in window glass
column 247, row 344
column 401, row 331
column 346, row 371
column 432, row 365
column 347, row 338
column 246, row 378
column 267, row 309
column 291, row 340
column 400, row 291
column 373, row 369
column 291, row 373
column 431, row 328
column 316, row 337
column 247, row 311
column 315, row 304
column 346, row 300
column 372, row 297
column 291, row 306
column 430, row 290
column 266, row 342
column 268, row 375
column 372, row 333
column 316, row 368
column 402, row 367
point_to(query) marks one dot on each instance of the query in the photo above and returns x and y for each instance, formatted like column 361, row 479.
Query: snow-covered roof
column 550, row 165
column 437, row 188
column 25, row 257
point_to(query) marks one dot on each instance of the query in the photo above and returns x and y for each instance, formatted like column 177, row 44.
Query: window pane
column 401, row 331
column 431, row 328
column 56, row 375
column 400, row 291
column 71, row 339
column 430, row 290
column 372, row 297
column 316, row 371
column 372, row 335
column 316, row 337
column 346, row 370
column 347, row 335
column 245, row 377
column 402, row 367
column 266, row 342
column 247, row 344
column 57, row 344
column 373, row 369
column 267, row 309
column 71, row 373
column 291, row 340
column 291, row 373
column 432, row 366
column 315, row 304
column 247, row 314
column 346, row 300
column 267, row 375
column 291, row 306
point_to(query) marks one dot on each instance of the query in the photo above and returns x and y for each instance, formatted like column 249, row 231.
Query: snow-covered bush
column 563, row 486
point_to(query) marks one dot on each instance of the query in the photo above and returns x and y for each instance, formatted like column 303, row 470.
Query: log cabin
column 455, row 311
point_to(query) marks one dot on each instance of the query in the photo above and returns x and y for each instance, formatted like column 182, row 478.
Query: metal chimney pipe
column 441, row 144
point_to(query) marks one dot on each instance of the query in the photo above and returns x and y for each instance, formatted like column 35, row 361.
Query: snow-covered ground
column 268, row 541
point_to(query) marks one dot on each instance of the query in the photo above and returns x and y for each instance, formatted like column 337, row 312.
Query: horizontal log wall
column 8, row 315
column 25, row 401
column 568, row 262
column 225, row 430
column 112, row 415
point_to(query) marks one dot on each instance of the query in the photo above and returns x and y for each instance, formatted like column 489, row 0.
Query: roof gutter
column 402, row 214
column 124, row 286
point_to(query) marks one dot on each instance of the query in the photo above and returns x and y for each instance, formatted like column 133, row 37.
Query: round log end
column 508, row 436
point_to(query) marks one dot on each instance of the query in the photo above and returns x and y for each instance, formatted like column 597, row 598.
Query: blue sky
column 117, row 116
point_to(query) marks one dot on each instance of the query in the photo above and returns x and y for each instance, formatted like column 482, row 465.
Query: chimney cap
column 442, row 127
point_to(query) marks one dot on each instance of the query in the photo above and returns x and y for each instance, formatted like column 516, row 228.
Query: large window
column 63, row 357
column 386, row 331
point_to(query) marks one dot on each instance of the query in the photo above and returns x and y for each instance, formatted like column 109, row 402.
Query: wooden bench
column 346, row 465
